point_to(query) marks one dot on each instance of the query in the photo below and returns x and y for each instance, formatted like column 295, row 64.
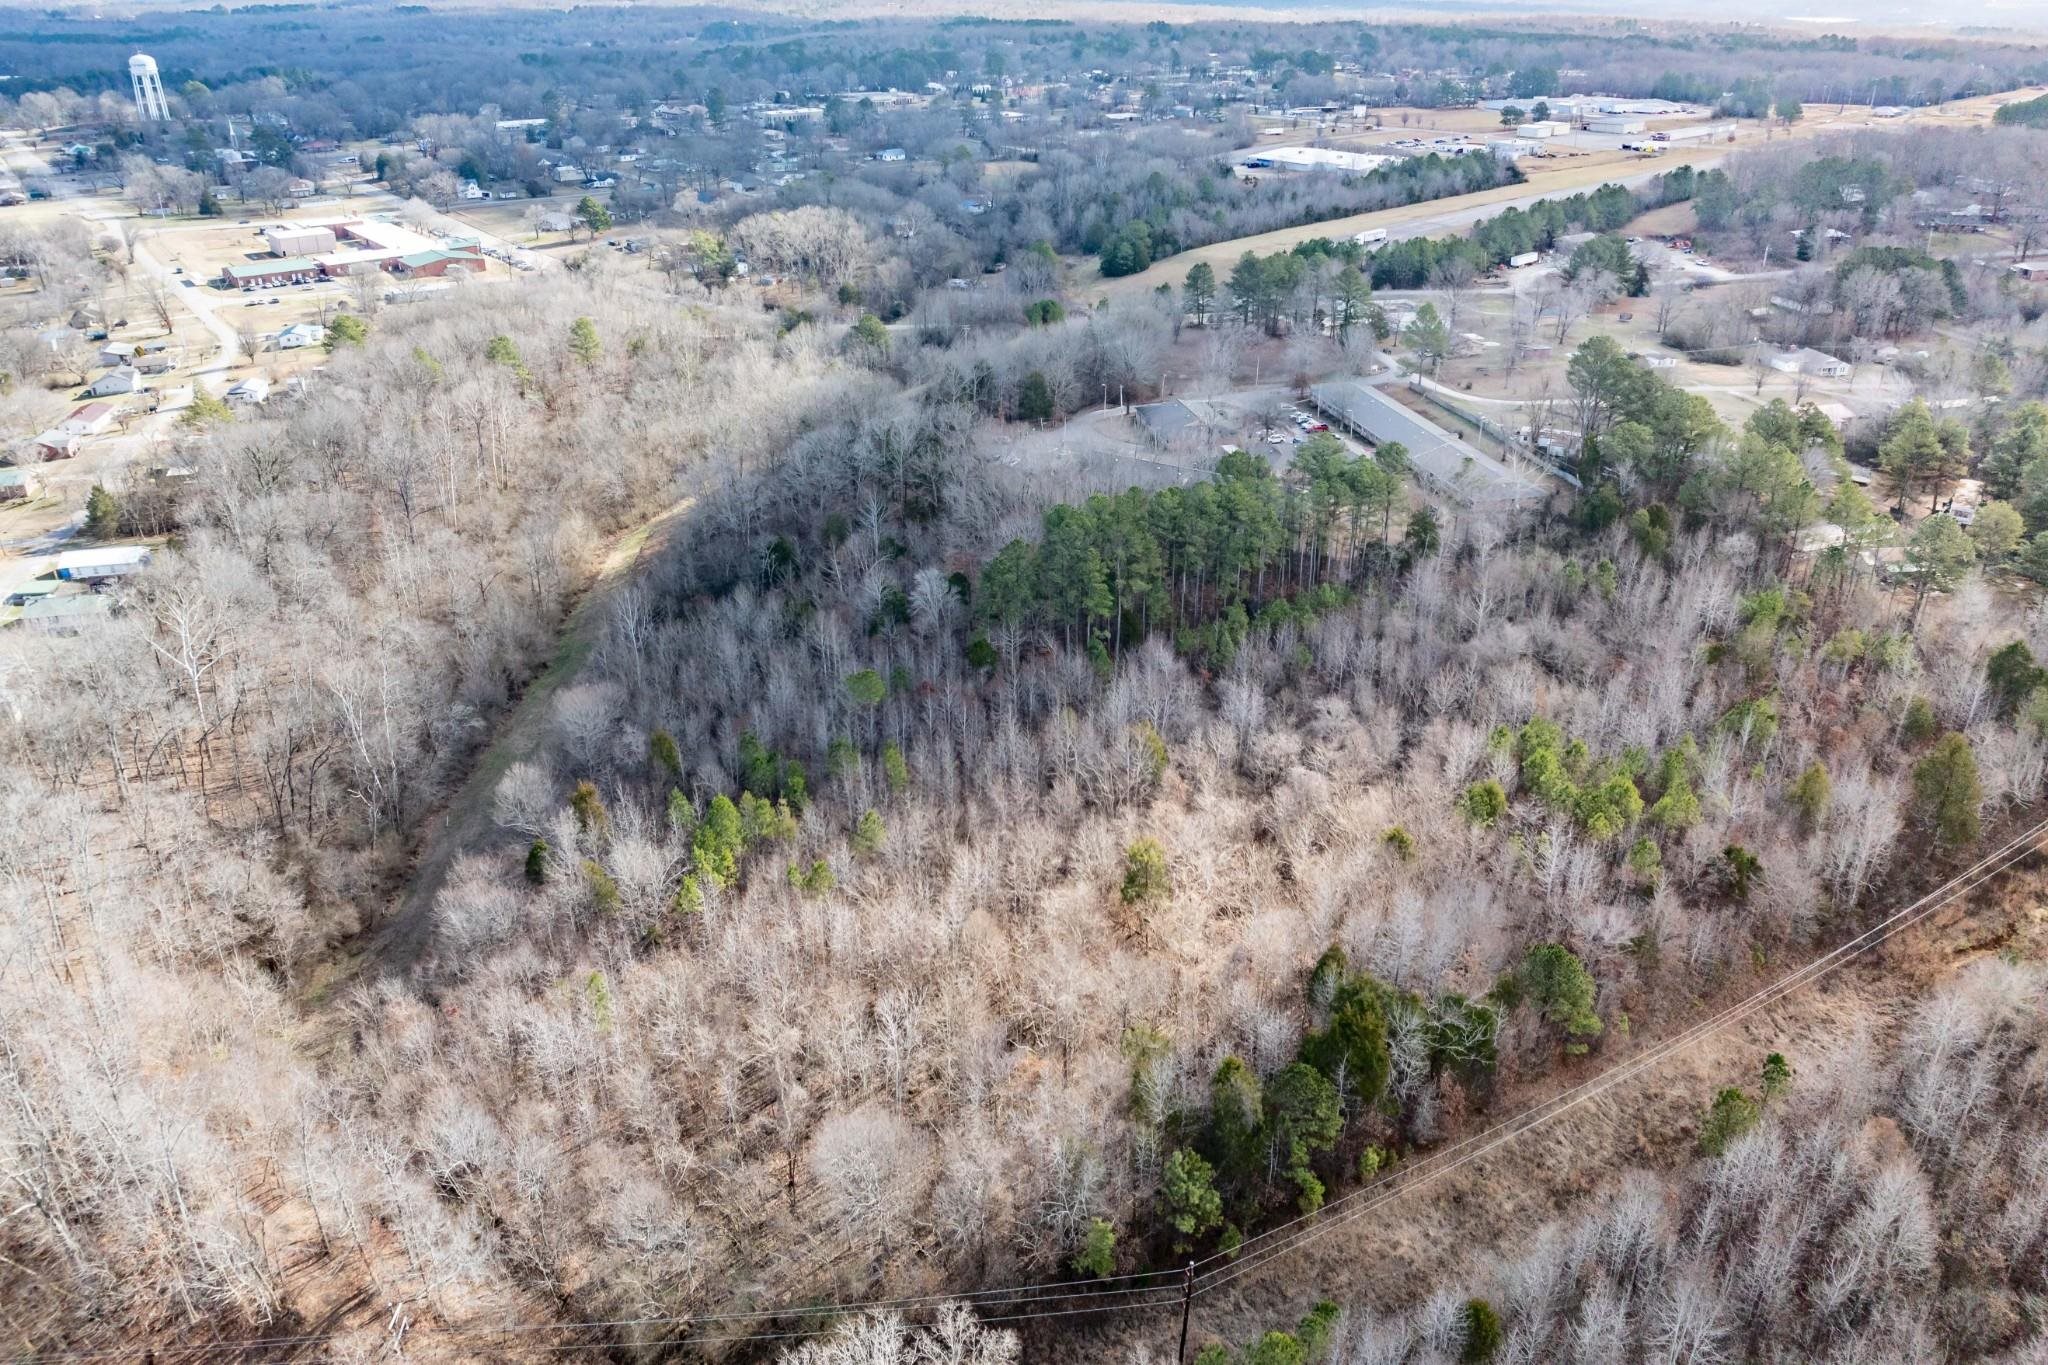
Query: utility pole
column 1187, row 1302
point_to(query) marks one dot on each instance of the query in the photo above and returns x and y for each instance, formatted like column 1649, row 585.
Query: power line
column 1439, row 1164
column 1015, row 1296
column 1275, row 1243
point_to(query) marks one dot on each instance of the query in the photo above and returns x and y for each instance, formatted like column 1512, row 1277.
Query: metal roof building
column 1455, row 468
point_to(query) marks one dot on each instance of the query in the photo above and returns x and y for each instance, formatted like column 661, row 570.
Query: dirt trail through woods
column 1395, row 1257
column 465, row 821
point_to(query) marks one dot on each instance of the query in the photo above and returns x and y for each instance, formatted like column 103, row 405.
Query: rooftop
column 285, row 265
column 1456, row 468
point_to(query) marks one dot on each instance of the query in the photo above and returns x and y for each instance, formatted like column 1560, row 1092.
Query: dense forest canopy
column 632, row 803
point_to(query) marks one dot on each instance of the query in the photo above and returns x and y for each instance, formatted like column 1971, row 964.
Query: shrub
column 1562, row 988
column 869, row 834
column 1097, row 1257
column 1483, row 1333
column 1484, row 802
column 1946, row 790
column 1145, row 876
column 1187, row 1192
column 1732, row 1114
column 604, row 892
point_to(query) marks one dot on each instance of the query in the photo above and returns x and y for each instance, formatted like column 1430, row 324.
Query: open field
column 1546, row 179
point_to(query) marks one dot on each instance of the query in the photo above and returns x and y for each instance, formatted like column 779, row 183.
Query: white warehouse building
column 1316, row 159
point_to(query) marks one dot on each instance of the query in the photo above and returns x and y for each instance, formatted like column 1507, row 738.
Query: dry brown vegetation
column 914, row 1023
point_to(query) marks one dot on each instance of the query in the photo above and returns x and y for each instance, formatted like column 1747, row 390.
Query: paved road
column 198, row 301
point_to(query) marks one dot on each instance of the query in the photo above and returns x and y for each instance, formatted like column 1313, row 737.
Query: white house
column 566, row 174
column 300, row 335
column 248, row 392
column 471, row 190
column 892, row 154
column 121, row 379
column 89, row 420
column 1808, row 361
column 114, row 561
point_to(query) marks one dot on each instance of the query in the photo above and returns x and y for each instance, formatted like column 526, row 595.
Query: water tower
column 149, row 89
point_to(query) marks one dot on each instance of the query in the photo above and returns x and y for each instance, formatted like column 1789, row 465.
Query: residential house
column 93, row 566
column 1808, row 361
column 119, row 380
column 131, row 352
column 301, row 189
column 249, row 392
column 892, row 154
column 2033, row 272
column 56, row 444
column 62, row 614
column 567, row 174
column 17, row 485
column 88, row 420
column 300, row 335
